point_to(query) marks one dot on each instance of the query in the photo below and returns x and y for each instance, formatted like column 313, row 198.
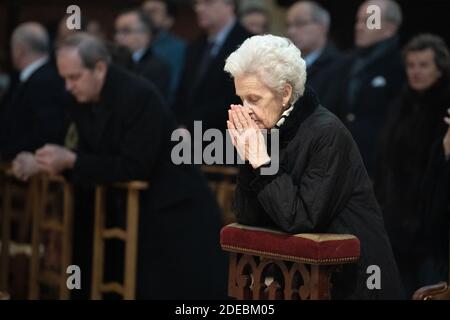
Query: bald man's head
column 29, row 42
column 391, row 19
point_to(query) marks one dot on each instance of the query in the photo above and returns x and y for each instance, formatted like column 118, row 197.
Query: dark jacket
column 361, row 91
column 34, row 114
column 170, row 48
column 412, row 178
column 322, row 187
column 210, row 98
column 127, row 137
column 156, row 70
column 321, row 71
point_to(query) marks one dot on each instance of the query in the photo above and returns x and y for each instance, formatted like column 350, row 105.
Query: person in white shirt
column 35, row 106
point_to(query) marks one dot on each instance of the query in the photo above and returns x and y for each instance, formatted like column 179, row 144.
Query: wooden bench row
column 42, row 194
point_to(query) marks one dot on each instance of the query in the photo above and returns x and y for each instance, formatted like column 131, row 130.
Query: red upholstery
column 304, row 248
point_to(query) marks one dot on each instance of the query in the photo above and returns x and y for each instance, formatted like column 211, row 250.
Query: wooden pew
column 48, row 220
column 37, row 199
column 16, row 211
column 129, row 235
column 42, row 198
column 223, row 188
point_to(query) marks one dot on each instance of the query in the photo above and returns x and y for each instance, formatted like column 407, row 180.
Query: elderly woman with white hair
column 322, row 185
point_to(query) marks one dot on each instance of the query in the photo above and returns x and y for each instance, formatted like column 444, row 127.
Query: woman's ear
column 287, row 94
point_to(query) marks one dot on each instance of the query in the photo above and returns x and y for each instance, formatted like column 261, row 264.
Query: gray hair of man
column 319, row 14
column 393, row 13
column 33, row 36
column 90, row 48
column 253, row 6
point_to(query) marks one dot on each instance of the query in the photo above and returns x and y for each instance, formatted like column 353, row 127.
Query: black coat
column 156, row 70
column 375, row 84
column 321, row 71
column 209, row 99
column 411, row 183
column 127, row 137
column 322, row 187
column 34, row 114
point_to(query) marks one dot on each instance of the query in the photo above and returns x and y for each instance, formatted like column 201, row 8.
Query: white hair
column 275, row 60
column 34, row 36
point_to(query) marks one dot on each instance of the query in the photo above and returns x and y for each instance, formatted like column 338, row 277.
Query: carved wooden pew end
column 269, row 264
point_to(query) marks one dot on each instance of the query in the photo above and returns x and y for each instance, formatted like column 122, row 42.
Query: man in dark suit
column 366, row 83
column 206, row 91
column 35, row 108
column 121, row 131
column 166, row 45
column 134, row 30
column 308, row 26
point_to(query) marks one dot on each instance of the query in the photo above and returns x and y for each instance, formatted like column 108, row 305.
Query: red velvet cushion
column 305, row 248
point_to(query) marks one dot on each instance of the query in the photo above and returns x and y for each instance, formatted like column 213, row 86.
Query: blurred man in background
column 165, row 44
column 134, row 30
column 308, row 26
column 206, row 91
column 34, row 112
column 367, row 82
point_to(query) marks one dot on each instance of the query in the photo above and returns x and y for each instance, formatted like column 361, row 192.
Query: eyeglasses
column 128, row 31
column 300, row 23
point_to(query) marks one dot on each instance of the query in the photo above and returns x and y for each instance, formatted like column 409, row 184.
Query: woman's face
column 421, row 69
column 265, row 106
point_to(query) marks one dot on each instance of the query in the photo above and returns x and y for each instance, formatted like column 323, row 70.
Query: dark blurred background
column 419, row 16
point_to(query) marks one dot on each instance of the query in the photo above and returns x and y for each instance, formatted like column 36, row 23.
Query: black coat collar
column 148, row 54
column 100, row 111
column 304, row 107
column 328, row 54
column 370, row 56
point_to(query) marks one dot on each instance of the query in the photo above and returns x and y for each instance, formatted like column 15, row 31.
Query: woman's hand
column 446, row 141
column 247, row 137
